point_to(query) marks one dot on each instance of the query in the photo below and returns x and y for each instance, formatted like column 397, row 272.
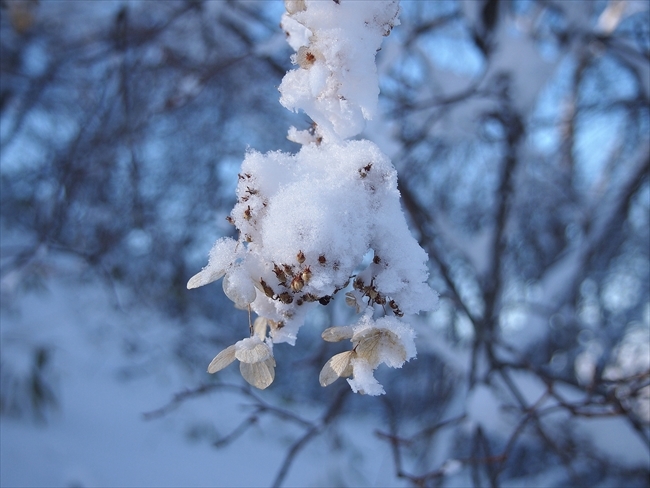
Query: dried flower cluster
column 307, row 220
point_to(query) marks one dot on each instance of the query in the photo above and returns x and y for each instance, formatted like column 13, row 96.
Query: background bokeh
column 520, row 132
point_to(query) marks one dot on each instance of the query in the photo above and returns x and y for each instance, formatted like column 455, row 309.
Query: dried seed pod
column 285, row 298
column 371, row 292
column 300, row 257
column 268, row 291
column 306, row 57
column 376, row 259
column 275, row 325
column 306, row 275
column 247, row 213
column 280, row 275
column 358, row 284
column 363, row 172
column 324, row 300
column 297, row 283
column 321, row 259
column 230, row 220
column 309, row 297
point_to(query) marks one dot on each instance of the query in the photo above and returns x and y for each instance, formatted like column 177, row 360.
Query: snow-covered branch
column 307, row 220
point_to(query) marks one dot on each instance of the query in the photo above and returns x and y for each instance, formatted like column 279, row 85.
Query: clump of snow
column 336, row 43
column 307, row 220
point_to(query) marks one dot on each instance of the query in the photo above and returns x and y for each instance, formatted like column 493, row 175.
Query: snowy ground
column 98, row 437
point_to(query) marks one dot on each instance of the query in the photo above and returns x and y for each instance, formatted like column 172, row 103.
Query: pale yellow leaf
column 338, row 366
column 259, row 327
column 380, row 345
column 260, row 375
column 252, row 350
column 368, row 343
column 205, row 276
column 336, row 334
column 223, row 359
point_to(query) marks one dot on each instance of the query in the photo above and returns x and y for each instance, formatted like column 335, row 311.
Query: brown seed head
column 285, row 297
column 282, row 278
column 268, row 291
column 309, row 297
column 297, row 283
column 306, row 274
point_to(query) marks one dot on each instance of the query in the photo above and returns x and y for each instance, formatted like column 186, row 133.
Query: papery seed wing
column 250, row 352
column 259, row 327
column 338, row 366
column 352, row 301
column 223, row 359
column 205, row 276
column 260, row 375
column 368, row 346
column 336, row 334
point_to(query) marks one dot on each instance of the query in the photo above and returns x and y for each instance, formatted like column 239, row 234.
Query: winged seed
column 223, row 359
column 336, row 334
column 260, row 374
column 338, row 366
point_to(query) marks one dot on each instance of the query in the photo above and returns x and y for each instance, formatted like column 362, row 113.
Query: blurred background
column 520, row 132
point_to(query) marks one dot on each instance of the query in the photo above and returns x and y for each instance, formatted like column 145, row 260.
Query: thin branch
column 317, row 428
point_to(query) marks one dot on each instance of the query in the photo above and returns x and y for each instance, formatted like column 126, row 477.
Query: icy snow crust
column 307, row 220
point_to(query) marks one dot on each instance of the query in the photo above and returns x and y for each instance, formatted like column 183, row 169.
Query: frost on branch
column 307, row 220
